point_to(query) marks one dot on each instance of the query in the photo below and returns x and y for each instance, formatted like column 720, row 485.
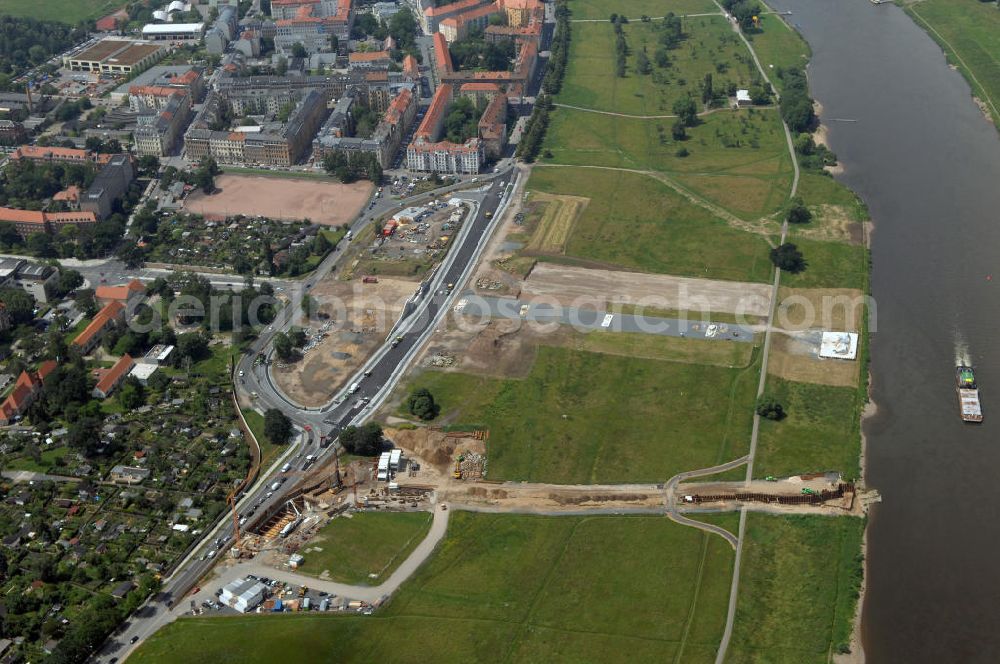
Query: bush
column 421, row 404
column 769, row 408
column 798, row 213
column 277, row 426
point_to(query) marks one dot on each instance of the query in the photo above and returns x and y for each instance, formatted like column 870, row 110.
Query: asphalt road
column 383, row 372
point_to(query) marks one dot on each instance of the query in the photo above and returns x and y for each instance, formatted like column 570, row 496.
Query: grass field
column 660, row 347
column 778, row 46
column 969, row 33
column 588, row 418
column 822, row 431
column 268, row 451
column 636, row 222
column 711, row 48
column 830, row 265
column 508, row 588
column 799, row 588
column 351, row 550
column 65, row 11
column 634, row 9
column 736, row 159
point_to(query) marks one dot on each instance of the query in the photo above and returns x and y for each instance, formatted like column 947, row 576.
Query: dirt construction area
column 568, row 285
column 323, row 202
column 360, row 317
column 556, row 221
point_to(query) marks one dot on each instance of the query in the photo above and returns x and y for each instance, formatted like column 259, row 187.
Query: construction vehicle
column 458, row 468
column 809, row 492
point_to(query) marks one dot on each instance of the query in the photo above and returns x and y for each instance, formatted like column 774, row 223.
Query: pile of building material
column 470, row 466
column 442, row 360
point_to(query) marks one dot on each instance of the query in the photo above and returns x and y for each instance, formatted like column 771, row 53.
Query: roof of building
column 442, row 55
column 121, row 292
column 25, row 387
column 70, row 193
column 110, row 311
column 398, row 106
column 410, row 66
column 172, row 28
column 452, row 8
column 134, row 53
column 435, row 112
column 492, row 119
column 479, row 87
column 17, row 216
column 370, row 56
column 113, row 376
column 143, row 370
column 38, row 152
column 101, row 50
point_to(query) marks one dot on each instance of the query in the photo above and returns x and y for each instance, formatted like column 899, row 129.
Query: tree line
column 538, row 123
column 621, row 46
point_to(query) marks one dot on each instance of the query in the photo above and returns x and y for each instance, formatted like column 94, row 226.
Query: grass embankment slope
column 64, row 11
column 508, row 588
column 350, row 550
column 799, row 589
column 969, row 33
column 585, row 418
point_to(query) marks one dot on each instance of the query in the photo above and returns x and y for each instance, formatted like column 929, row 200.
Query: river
column 927, row 163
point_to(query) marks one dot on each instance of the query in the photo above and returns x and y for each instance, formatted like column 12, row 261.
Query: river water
column 927, row 163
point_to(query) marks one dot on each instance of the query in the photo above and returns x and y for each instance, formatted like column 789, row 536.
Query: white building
column 243, row 594
column 173, row 31
column 143, row 372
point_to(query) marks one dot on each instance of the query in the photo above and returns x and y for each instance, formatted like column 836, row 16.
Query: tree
column 281, row 68
column 283, row 347
column 277, row 426
column 19, row 304
column 421, row 403
column 707, row 93
column 686, row 109
column 363, row 441
column 131, row 395
column 678, row 131
column 798, row 213
column 149, row 164
column 642, row 63
column 787, row 257
column 299, row 51
column 192, row 345
column 769, row 408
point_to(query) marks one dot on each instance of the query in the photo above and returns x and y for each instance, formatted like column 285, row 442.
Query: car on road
column 241, row 373
column 133, row 639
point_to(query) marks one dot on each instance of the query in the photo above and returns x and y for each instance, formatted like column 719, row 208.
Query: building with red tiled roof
column 106, row 318
column 430, row 127
column 25, row 392
column 124, row 293
column 70, row 195
column 113, row 377
column 493, row 127
column 411, row 68
column 442, row 56
column 38, row 153
column 27, row 222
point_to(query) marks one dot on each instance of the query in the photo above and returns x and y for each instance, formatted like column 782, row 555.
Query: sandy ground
column 362, row 315
column 321, row 201
column 794, row 358
column 567, row 285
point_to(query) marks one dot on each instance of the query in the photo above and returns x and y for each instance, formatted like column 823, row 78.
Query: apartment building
column 385, row 139
column 159, row 130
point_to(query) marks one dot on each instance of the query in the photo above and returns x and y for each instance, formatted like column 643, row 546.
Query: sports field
column 65, row 11
column 324, row 202
column 798, row 589
column 590, row 76
column 366, row 548
column 507, row 588
column 969, row 33
column 636, row 222
column 585, row 418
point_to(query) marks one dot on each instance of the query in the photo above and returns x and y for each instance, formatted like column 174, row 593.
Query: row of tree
column 621, row 46
column 796, row 104
column 353, row 166
column 534, row 132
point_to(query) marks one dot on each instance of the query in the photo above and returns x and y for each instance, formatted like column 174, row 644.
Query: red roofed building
column 113, row 377
column 442, row 56
column 25, row 392
column 106, row 318
column 27, row 222
column 432, row 16
column 429, row 155
column 123, row 293
column 68, row 155
column 411, row 68
column 430, row 127
column 493, row 127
